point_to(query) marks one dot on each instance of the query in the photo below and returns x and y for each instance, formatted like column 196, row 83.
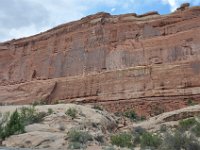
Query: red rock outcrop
column 148, row 62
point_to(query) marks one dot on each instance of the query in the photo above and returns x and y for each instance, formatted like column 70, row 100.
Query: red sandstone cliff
column 148, row 62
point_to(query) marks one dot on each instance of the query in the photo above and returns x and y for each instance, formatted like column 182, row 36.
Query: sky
column 22, row 18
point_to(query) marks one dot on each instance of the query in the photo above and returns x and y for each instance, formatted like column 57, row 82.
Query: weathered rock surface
column 146, row 62
column 52, row 132
column 169, row 118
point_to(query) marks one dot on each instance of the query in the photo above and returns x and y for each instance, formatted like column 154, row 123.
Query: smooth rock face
column 147, row 62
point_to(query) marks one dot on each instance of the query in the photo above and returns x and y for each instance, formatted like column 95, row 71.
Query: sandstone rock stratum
column 147, row 62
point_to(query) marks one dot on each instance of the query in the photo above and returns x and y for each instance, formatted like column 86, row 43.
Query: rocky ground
column 63, row 123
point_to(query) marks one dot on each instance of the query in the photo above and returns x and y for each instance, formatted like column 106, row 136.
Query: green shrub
column 50, row 111
column 179, row 141
column 38, row 117
column 78, row 139
column 196, row 129
column 72, row 112
column 3, row 120
column 16, row 122
column 79, row 136
column 139, row 130
column 56, row 102
column 40, row 102
column 131, row 115
column 190, row 102
column 13, row 126
column 150, row 140
column 118, row 114
column 145, row 139
column 98, row 107
column 2, row 136
column 187, row 124
column 122, row 140
column 75, row 145
column 163, row 128
column 30, row 116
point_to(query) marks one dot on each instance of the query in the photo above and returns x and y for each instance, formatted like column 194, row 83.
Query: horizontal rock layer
column 148, row 62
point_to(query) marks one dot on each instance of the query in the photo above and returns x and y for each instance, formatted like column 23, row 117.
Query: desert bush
column 1, row 133
column 79, row 136
column 13, row 126
column 118, row 114
column 16, row 122
column 98, row 107
column 122, row 140
column 131, row 115
column 179, row 141
column 150, row 140
column 3, row 120
column 75, row 145
column 39, row 102
column 190, row 102
column 50, row 111
column 30, row 116
column 187, row 124
column 137, row 132
column 163, row 128
column 56, row 102
column 78, row 139
column 190, row 124
column 72, row 112
column 39, row 117
column 145, row 139
column 196, row 129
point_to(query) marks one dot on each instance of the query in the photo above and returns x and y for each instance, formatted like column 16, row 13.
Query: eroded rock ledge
column 125, row 61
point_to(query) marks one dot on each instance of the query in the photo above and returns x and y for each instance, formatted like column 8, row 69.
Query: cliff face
column 148, row 62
